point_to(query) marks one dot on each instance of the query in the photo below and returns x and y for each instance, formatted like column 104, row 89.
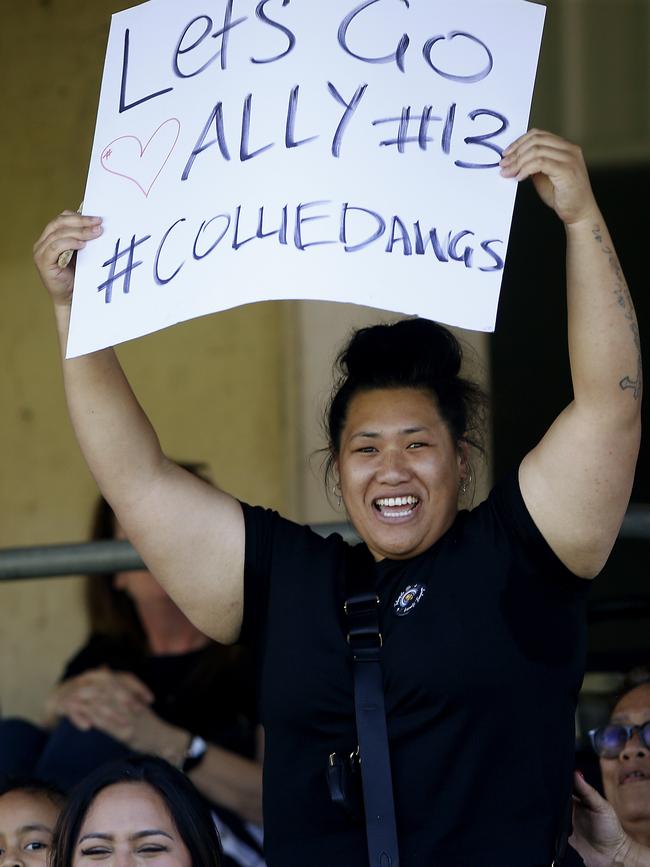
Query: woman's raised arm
column 577, row 481
column 190, row 535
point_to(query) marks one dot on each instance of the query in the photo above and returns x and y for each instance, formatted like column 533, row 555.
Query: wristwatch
column 194, row 754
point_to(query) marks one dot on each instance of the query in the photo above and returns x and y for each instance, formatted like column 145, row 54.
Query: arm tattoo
column 624, row 301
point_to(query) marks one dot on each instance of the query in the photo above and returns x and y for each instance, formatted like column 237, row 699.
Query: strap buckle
column 361, row 604
column 362, row 612
column 360, row 639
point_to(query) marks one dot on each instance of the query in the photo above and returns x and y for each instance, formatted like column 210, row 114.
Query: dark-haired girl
column 28, row 812
column 139, row 810
column 481, row 612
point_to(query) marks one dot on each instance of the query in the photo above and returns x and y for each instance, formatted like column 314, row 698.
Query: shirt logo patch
column 408, row 599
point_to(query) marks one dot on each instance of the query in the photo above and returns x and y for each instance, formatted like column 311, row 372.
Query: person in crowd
column 481, row 612
column 598, row 834
column 28, row 813
column 133, row 811
column 619, row 827
column 141, row 684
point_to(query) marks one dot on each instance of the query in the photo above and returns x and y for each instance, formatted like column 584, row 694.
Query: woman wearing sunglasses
column 617, row 831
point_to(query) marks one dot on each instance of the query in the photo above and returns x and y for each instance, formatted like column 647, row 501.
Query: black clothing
column 210, row 692
column 226, row 715
column 572, row 859
column 61, row 756
column 481, row 675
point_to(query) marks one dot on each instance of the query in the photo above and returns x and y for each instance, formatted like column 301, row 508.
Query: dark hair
column 638, row 676
column 110, row 611
column 33, row 786
column 189, row 811
column 410, row 353
column 112, row 615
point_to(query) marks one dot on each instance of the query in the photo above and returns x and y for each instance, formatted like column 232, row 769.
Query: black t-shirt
column 201, row 691
column 483, row 650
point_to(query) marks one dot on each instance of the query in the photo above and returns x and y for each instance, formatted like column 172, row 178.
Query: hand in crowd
column 68, row 231
column 99, row 698
column 144, row 732
column 597, row 834
column 558, row 171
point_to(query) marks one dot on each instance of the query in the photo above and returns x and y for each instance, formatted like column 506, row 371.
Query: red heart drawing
column 126, row 157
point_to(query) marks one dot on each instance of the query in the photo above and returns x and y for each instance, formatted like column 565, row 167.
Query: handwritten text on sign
column 290, row 149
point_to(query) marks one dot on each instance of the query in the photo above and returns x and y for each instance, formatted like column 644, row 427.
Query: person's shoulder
column 503, row 518
column 504, row 505
column 264, row 522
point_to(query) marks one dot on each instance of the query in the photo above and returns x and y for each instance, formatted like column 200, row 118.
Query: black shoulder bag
column 372, row 756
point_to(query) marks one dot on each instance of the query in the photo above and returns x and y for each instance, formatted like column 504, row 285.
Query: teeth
column 398, row 501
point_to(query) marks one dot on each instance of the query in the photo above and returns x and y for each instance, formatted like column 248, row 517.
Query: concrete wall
column 593, row 81
column 192, row 379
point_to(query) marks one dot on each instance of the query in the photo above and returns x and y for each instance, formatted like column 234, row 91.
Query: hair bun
column 410, row 347
column 411, row 353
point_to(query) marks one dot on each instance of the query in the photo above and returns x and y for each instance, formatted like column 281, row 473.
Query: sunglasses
column 610, row 740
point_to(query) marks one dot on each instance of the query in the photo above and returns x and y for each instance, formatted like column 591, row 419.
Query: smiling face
column 27, row 821
column 128, row 825
column 626, row 779
column 399, row 471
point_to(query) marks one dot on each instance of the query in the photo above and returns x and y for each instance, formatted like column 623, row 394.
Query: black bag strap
column 365, row 640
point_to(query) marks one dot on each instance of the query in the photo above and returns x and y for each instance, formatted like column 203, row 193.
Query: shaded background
column 242, row 390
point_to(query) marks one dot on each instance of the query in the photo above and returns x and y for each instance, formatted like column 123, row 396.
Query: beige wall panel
column 593, row 80
column 43, row 624
column 213, row 387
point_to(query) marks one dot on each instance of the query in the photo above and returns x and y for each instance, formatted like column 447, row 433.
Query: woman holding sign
column 481, row 613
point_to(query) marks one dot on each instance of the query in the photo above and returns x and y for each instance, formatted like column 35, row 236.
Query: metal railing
column 93, row 558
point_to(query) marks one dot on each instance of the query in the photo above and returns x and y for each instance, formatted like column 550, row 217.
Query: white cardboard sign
column 341, row 150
